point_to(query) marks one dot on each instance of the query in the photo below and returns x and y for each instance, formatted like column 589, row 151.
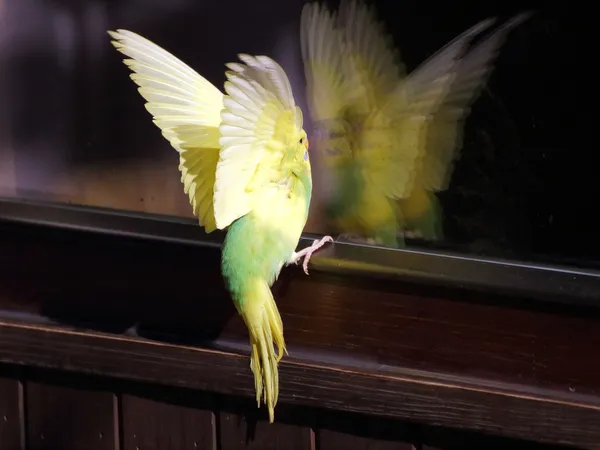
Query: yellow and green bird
column 389, row 139
column 244, row 164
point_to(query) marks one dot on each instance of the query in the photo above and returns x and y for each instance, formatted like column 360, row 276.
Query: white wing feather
column 376, row 64
column 258, row 97
column 324, row 57
column 410, row 112
column 470, row 75
column 186, row 107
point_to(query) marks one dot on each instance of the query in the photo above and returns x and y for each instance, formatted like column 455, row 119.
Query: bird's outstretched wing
column 186, row 107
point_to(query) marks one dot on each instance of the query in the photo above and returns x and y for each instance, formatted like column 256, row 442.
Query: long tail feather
column 262, row 318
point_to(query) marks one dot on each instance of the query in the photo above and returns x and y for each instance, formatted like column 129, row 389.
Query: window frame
column 554, row 283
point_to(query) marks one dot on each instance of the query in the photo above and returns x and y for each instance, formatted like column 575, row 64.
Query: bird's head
column 301, row 156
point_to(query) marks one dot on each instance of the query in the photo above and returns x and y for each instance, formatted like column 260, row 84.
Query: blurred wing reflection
column 388, row 140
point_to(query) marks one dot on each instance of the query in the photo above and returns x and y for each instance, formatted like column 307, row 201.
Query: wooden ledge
column 155, row 310
column 504, row 410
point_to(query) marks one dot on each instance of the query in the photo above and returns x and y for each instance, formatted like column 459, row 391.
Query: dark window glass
column 74, row 129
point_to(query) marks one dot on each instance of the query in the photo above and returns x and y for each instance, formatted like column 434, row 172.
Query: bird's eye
column 302, row 140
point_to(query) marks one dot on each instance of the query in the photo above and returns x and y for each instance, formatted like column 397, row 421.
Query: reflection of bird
column 389, row 140
column 245, row 167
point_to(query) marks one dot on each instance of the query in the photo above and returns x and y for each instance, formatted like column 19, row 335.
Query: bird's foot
column 308, row 251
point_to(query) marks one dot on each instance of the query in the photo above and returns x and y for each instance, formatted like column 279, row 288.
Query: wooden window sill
column 480, row 345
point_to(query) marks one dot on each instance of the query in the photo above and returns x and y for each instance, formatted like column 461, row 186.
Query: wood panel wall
column 67, row 413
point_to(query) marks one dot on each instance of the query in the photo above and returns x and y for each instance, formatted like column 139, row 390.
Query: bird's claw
column 308, row 251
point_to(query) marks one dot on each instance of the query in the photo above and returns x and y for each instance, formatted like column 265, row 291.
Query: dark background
column 525, row 187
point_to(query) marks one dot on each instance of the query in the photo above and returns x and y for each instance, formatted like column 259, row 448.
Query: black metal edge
column 545, row 282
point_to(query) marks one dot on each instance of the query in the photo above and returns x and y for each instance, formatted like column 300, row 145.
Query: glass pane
column 519, row 183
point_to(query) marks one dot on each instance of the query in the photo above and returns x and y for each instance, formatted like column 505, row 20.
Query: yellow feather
column 244, row 156
column 386, row 133
column 259, row 124
column 187, row 108
column 263, row 179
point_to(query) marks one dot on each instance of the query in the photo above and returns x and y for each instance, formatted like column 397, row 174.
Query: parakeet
column 388, row 138
column 244, row 164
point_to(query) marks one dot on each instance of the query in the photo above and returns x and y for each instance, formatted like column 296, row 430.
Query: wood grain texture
column 155, row 425
column 439, row 438
column 88, row 416
column 440, row 330
column 403, row 395
column 332, row 440
column 243, row 427
column 491, row 443
column 452, row 358
column 11, row 425
column 341, row 431
column 238, row 434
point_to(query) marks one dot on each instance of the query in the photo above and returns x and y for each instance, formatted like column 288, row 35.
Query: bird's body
column 256, row 248
column 245, row 168
column 360, row 208
column 264, row 240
